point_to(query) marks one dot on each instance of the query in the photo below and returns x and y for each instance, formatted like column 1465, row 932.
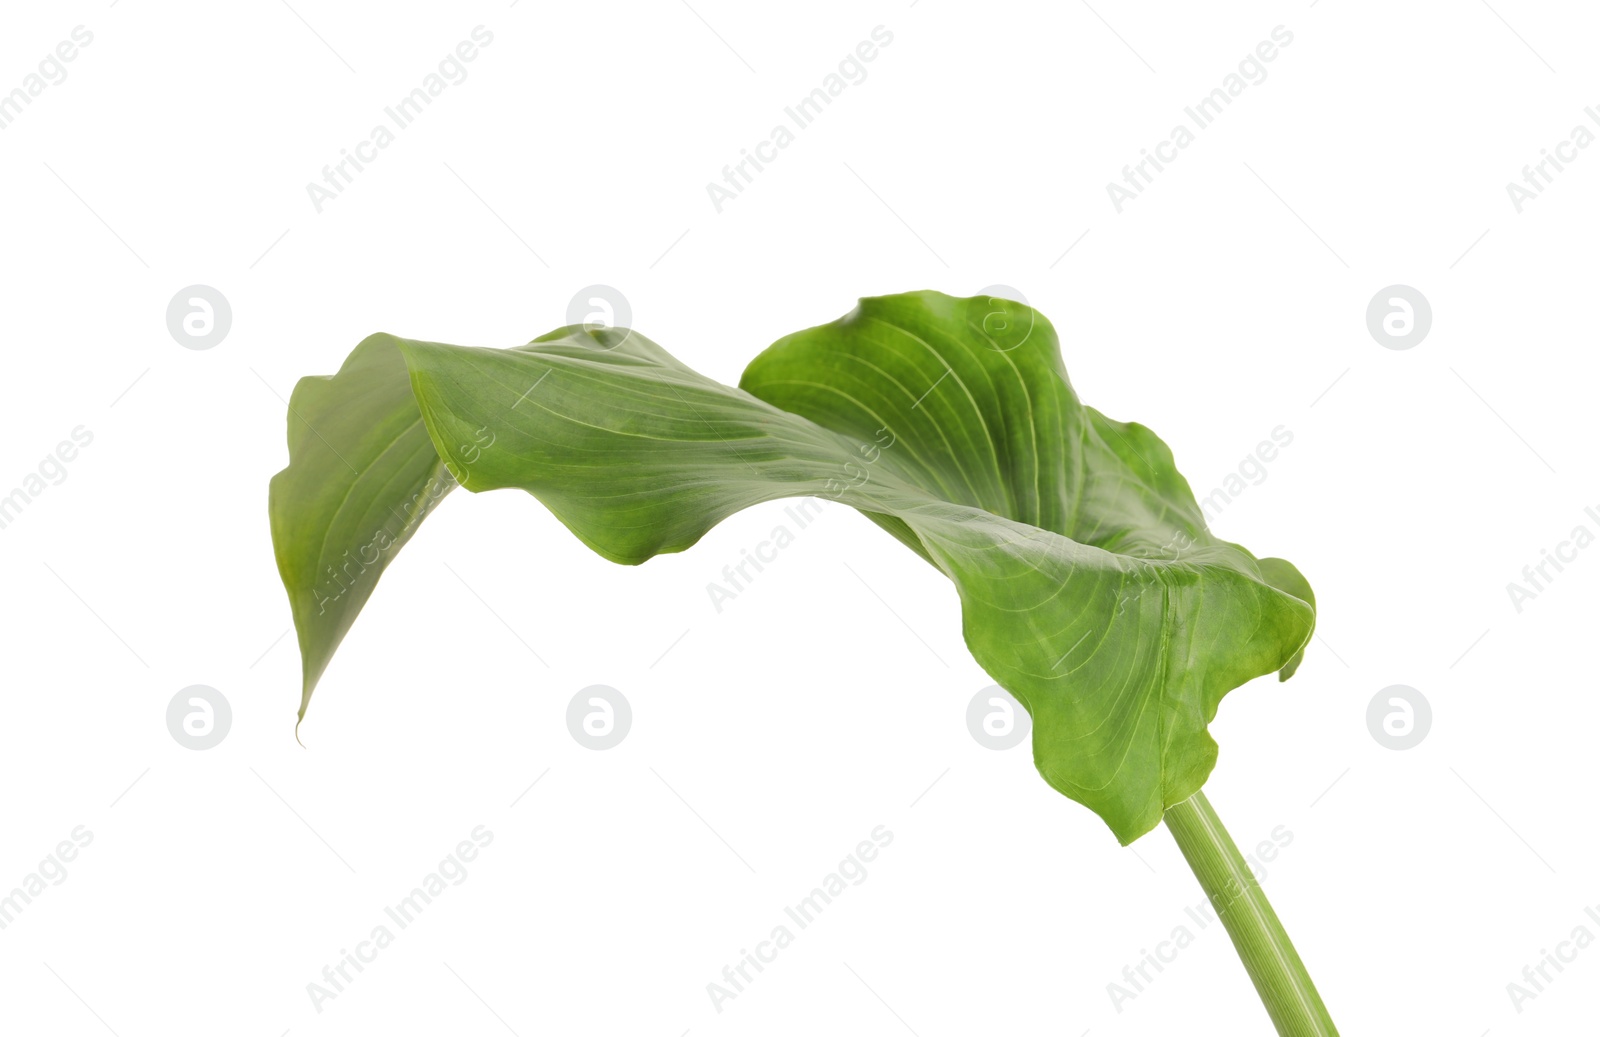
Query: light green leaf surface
column 1088, row 583
column 362, row 476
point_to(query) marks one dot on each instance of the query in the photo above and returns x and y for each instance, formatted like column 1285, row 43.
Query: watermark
column 1002, row 314
column 853, row 475
column 1252, row 471
column 354, row 563
column 1535, row 978
column 1541, row 174
column 1398, row 317
column 603, row 306
column 452, row 871
column 199, row 717
column 52, row 471
column 52, row 871
column 737, row 577
column 1399, row 717
column 1252, row 71
column 1137, row 977
column 852, row 871
column 851, row 71
column 198, row 317
column 599, row 717
column 401, row 115
column 52, row 71
column 1536, row 576
column 996, row 720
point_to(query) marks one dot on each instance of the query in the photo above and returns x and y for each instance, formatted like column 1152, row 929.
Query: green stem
column 1270, row 959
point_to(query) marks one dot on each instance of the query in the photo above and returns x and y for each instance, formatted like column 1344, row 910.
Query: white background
column 771, row 738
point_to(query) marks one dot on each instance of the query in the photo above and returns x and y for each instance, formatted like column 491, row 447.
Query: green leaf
column 362, row 476
column 1089, row 585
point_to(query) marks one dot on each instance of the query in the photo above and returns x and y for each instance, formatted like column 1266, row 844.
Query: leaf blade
column 362, row 476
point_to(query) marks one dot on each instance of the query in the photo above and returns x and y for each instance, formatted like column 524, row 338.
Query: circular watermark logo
column 996, row 720
column 1399, row 317
column 602, row 306
column 1003, row 316
column 199, row 317
column 1399, row 717
column 599, row 717
column 199, row 717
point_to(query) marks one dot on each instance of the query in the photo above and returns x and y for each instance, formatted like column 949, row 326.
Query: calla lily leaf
column 1089, row 585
